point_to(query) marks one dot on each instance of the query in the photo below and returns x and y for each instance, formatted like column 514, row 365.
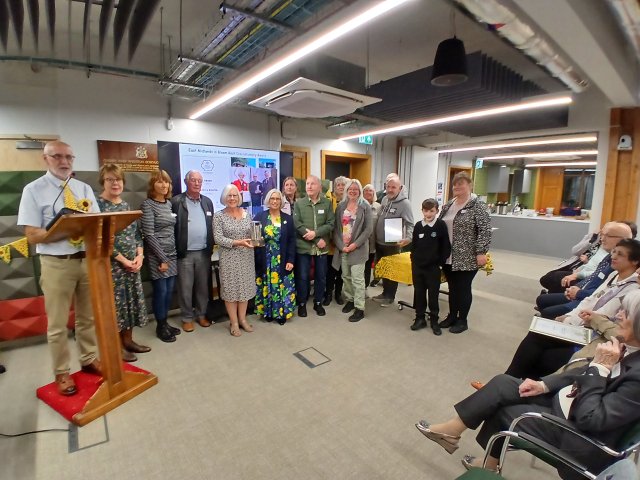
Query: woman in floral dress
column 126, row 261
column 276, row 295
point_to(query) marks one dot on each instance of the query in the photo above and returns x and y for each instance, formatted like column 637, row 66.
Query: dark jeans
column 389, row 287
column 539, row 355
column 426, row 280
column 367, row 269
column 334, row 277
column 303, row 267
column 162, row 295
column 460, row 297
column 552, row 305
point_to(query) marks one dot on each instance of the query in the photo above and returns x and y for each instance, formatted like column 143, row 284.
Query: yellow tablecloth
column 398, row 268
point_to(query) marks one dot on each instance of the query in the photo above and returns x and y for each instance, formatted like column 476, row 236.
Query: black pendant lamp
column 450, row 65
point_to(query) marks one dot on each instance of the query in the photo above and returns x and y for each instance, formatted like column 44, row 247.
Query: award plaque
column 257, row 240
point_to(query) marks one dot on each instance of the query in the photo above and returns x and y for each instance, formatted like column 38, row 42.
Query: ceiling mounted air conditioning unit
column 304, row 98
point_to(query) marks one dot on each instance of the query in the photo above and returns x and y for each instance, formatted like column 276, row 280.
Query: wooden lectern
column 98, row 230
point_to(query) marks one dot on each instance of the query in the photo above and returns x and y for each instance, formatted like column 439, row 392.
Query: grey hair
column 226, row 191
column 188, row 174
column 368, row 186
column 267, row 197
column 393, row 177
column 631, row 306
column 346, row 188
column 341, row 179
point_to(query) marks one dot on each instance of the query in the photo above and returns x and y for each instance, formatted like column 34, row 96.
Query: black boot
column 319, row 309
column 327, row 300
column 418, row 323
column 302, row 310
column 447, row 322
column 357, row 315
column 348, row 307
column 459, row 327
column 173, row 330
column 163, row 332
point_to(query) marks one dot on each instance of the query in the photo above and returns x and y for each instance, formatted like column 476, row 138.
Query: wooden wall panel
column 622, row 184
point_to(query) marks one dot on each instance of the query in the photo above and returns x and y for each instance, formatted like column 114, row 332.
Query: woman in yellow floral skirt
column 275, row 293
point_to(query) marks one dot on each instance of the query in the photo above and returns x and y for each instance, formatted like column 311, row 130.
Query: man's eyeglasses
column 60, row 156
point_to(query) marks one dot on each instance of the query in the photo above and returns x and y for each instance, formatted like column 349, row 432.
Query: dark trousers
column 539, row 355
column 426, row 280
column 552, row 305
column 303, row 267
column 334, row 278
column 460, row 297
column 551, row 281
column 389, row 287
column 368, row 268
column 162, row 295
column 497, row 404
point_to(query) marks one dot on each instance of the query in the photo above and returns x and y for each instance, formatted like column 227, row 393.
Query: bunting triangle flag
column 22, row 246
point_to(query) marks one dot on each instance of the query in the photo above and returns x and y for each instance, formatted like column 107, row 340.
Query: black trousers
column 497, row 404
column 334, row 278
column 389, row 287
column 539, row 355
column 367, row 269
column 460, row 297
column 426, row 280
column 551, row 280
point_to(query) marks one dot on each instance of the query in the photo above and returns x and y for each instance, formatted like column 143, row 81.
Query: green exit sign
column 366, row 139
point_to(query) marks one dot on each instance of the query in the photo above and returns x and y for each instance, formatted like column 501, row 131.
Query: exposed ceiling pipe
column 224, row 6
column 628, row 14
column 182, row 58
column 524, row 38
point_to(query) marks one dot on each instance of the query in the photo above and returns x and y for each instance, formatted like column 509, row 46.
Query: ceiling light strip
column 306, row 49
column 542, row 154
column 551, row 141
column 562, row 164
column 488, row 112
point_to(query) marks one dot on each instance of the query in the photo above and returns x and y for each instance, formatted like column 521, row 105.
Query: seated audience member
column 430, row 248
column 276, row 293
column 289, row 195
column 232, row 232
column 600, row 399
column 552, row 305
column 558, row 280
column 369, row 194
column 581, row 252
column 126, row 262
column 351, row 238
column 539, row 355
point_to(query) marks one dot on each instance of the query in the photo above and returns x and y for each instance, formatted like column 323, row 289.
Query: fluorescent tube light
column 306, row 49
column 562, row 164
column 542, row 154
column 488, row 112
column 530, row 143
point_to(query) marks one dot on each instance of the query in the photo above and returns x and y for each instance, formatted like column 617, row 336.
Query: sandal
column 234, row 331
column 246, row 326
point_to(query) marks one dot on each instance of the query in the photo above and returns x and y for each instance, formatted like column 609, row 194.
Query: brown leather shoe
column 187, row 326
column 66, row 385
column 203, row 322
column 94, row 368
column 134, row 347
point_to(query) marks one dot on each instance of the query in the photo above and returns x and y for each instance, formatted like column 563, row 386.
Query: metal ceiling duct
column 523, row 37
column 628, row 14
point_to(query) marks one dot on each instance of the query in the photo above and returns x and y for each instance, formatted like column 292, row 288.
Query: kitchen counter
column 547, row 236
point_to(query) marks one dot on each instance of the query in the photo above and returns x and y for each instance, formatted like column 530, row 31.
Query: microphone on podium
column 64, row 210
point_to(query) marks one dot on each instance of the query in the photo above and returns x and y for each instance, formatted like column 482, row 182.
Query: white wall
column 424, row 178
column 82, row 110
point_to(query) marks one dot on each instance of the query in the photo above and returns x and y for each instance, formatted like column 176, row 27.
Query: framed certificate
column 562, row 331
column 393, row 230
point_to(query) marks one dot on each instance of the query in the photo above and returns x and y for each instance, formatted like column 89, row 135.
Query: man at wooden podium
column 64, row 269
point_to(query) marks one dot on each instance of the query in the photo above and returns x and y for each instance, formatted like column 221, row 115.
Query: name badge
column 174, row 214
column 601, row 275
column 433, row 234
column 392, row 210
column 463, row 211
column 320, row 211
column 285, row 222
column 208, row 214
column 421, row 235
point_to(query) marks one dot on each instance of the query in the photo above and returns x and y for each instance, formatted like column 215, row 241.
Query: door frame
column 362, row 161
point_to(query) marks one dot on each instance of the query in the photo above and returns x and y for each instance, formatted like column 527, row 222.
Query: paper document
column 562, row 331
column 393, row 230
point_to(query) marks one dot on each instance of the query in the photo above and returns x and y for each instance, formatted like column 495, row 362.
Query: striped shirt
column 158, row 223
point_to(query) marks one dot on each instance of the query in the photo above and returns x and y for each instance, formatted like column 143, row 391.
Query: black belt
column 71, row 256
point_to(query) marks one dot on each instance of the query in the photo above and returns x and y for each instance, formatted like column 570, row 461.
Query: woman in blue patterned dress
column 126, row 261
column 276, row 295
